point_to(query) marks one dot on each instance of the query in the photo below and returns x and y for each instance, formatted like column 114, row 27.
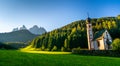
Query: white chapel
column 101, row 40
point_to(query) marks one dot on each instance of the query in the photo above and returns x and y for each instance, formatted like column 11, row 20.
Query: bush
column 76, row 49
column 54, row 48
column 42, row 48
column 116, row 44
column 62, row 49
column 111, row 53
column 65, row 49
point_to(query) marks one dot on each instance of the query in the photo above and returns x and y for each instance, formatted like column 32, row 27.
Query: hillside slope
column 17, row 36
column 74, row 35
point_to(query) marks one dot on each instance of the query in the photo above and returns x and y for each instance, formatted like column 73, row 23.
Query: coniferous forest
column 74, row 35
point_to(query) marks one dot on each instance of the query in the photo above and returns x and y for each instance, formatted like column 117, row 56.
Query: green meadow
column 18, row 58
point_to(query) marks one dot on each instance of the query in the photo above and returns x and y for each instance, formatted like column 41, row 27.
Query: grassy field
column 47, row 52
column 17, row 58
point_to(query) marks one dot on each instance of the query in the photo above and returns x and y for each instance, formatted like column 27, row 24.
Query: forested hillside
column 5, row 46
column 17, row 36
column 74, row 35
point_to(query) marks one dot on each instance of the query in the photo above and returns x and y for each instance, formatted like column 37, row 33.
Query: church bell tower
column 89, row 34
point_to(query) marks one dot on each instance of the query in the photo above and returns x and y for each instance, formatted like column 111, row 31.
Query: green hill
column 16, row 39
column 17, row 36
column 74, row 35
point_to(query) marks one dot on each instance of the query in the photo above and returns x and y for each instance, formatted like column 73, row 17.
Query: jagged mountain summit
column 23, row 28
column 15, row 29
column 34, row 30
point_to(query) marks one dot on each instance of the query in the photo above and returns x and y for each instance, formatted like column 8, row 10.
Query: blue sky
column 52, row 14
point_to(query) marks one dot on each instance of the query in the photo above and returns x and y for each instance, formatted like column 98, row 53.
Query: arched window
column 89, row 26
column 98, row 43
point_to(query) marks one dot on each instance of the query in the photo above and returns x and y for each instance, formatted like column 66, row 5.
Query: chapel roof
column 88, row 20
column 98, row 34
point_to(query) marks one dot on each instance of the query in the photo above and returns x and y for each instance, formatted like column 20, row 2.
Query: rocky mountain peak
column 23, row 28
column 35, row 29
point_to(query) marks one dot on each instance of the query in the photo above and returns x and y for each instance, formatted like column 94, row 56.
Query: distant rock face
column 23, row 28
column 15, row 29
column 36, row 30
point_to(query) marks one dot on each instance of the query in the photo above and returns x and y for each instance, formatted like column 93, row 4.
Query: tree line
column 74, row 35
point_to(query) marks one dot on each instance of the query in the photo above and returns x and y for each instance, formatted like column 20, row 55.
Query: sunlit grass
column 47, row 52
column 18, row 58
column 28, row 49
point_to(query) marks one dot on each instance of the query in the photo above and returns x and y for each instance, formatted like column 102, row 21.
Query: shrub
column 62, row 49
column 116, row 44
column 65, row 49
column 76, row 49
column 42, row 48
column 54, row 48
column 111, row 53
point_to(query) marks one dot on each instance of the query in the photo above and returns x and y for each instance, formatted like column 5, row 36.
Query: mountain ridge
column 34, row 30
column 17, row 36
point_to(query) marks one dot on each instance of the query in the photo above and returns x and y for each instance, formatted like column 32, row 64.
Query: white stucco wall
column 96, row 45
column 107, row 35
column 102, row 45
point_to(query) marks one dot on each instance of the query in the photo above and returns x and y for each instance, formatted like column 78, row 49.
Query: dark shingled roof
column 98, row 34
column 88, row 20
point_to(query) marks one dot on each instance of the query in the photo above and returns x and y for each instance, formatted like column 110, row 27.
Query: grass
column 18, row 58
column 47, row 52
